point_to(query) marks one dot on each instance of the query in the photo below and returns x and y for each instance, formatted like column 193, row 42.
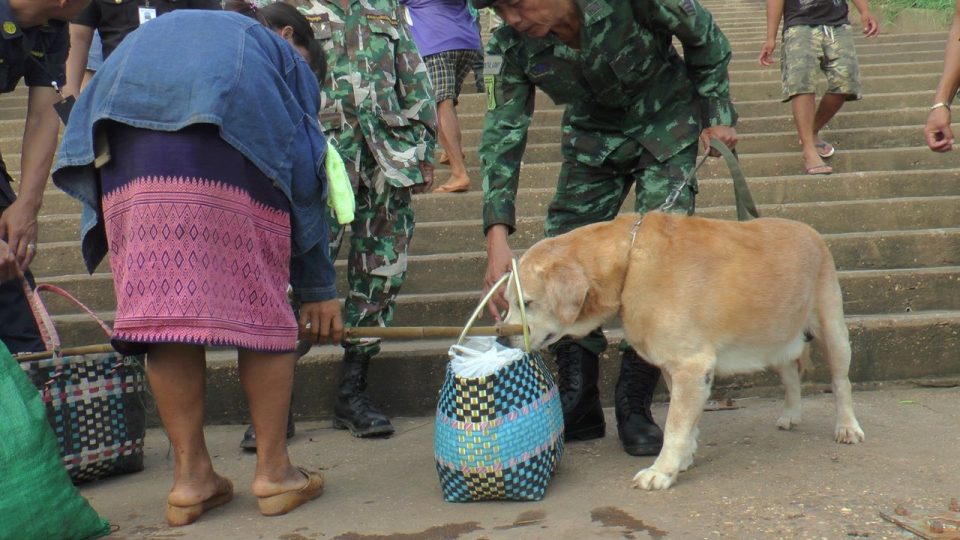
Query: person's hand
column 321, row 321
column 725, row 134
column 499, row 257
column 8, row 264
column 18, row 226
column 937, row 130
column 870, row 25
column 426, row 170
column 766, row 53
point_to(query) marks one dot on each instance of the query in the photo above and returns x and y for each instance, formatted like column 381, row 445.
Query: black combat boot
column 578, row 372
column 353, row 409
column 249, row 441
column 640, row 435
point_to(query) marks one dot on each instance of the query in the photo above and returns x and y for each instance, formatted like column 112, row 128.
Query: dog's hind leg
column 790, row 376
column 836, row 341
column 688, row 394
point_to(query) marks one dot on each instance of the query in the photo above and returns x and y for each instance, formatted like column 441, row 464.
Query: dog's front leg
column 688, row 394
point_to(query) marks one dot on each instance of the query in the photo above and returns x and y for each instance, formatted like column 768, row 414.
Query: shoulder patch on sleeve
column 688, row 7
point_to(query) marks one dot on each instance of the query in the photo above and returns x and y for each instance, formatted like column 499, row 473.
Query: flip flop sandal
column 825, row 149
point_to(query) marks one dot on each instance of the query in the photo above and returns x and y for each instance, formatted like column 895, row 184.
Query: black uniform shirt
column 117, row 18
column 37, row 54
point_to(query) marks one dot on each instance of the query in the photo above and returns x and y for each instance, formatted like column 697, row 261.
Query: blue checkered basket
column 499, row 437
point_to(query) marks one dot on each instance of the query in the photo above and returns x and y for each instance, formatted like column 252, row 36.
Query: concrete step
column 826, row 217
column 545, row 158
column 60, row 219
column 869, row 60
column 866, row 71
column 719, row 192
column 443, row 291
column 907, row 213
column 876, row 97
column 878, row 135
column 885, row 348
column 879, row 252
column 772, row 89
column 757, row 112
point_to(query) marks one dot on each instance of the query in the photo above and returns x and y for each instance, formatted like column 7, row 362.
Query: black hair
column 279, row 15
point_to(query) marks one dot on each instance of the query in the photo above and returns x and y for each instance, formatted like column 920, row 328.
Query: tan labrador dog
column 699, row 298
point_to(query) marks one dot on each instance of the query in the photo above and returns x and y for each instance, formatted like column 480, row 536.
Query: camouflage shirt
column 376, row 94
column 625, row 81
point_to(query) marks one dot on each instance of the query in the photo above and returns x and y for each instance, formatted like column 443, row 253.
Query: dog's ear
column 566, row 289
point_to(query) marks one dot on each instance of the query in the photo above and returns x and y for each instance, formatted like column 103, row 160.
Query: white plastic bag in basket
column 481, row 356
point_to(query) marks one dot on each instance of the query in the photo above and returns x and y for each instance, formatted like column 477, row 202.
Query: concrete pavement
column 749, row 481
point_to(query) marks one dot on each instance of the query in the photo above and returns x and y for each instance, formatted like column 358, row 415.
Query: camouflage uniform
column 377, row 108
column 634, row 110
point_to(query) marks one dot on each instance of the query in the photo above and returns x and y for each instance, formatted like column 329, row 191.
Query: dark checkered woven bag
column 498, row 437
column 94, row 402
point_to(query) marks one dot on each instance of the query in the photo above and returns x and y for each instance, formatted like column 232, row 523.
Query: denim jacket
column 222, row 68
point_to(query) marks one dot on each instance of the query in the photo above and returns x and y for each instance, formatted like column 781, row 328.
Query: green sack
column 37, row 498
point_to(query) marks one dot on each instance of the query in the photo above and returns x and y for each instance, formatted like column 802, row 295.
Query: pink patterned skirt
column 199, row 243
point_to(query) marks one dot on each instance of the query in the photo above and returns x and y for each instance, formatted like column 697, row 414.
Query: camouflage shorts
column 808, row 50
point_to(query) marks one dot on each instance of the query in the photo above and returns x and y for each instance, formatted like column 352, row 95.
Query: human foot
column 278, row 499
column 820, row 169
column 187, row 502
column 454, row 185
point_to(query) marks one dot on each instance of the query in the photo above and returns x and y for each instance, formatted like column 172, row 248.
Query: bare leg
column 830, row 105
column 448, row 126
column 177, row 375
column 267, row 382
column 803, row 107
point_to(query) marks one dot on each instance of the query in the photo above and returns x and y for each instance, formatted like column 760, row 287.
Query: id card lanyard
column 146, row 12
column 65, row 105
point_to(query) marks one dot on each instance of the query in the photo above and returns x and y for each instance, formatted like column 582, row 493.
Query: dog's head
column 556, row 290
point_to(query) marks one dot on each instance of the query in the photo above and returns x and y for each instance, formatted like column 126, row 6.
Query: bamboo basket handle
column 486, row 298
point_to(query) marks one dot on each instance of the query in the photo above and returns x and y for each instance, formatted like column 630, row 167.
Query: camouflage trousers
column 588, row 195
column 380, row 235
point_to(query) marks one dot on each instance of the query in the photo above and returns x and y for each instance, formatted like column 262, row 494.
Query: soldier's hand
column 870, row 25
column 8, row 264
column 321, row 321
column 937, row 131
column 426, row 170
column 499, row 257
column 766, row 53
column 725, row 134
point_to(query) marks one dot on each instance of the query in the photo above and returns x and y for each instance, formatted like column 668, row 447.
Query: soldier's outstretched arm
column 510, row 103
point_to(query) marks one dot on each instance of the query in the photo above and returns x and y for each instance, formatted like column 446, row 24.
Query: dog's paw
column 651, row 479
column 788, row 420
column 851, row 434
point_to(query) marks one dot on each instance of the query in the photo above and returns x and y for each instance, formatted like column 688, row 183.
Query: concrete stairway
column 890, row 213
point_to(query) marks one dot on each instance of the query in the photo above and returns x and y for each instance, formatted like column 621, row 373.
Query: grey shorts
column 448, row 69
column 807, row 51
